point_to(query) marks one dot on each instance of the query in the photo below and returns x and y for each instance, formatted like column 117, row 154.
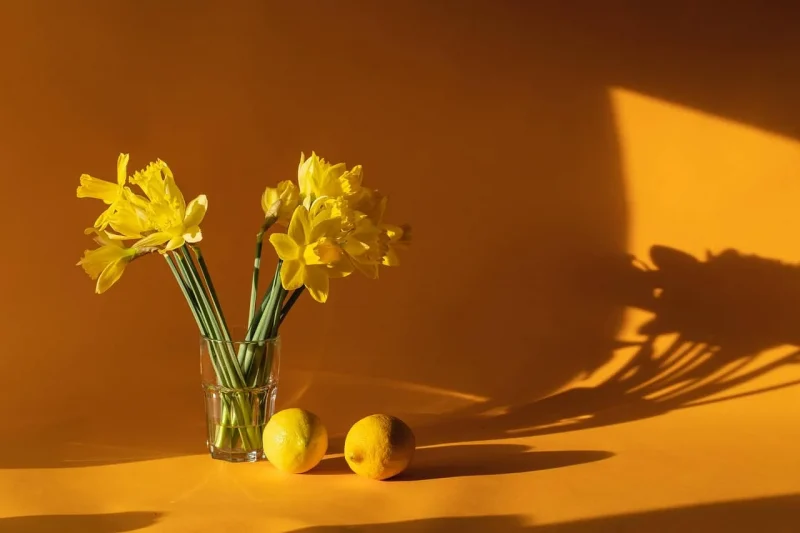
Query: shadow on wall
column 775, row 515
column 713, row 327
column 487, row 124
column 97, row 523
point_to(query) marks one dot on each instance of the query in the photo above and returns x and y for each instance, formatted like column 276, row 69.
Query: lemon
column 295, row 440
column 379, row 446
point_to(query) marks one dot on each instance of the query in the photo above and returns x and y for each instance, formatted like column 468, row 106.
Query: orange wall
column 492, row 126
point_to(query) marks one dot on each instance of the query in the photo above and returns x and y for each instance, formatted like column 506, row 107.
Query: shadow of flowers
column 774, row 514
column 715, row 325
column 97, row 523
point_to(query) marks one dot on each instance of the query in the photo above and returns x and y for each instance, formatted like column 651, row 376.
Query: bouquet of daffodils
column 333, row 227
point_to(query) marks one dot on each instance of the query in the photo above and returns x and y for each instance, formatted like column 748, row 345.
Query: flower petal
column 326, row 228
column 196, row 211
column 268, row 201
column 193, row 235
column 156, row 239
column 324, row 251
column 174, row 243
column 317, row 282
column 326, row 181
column 95, row 261
column 340, row 269
column 150, row 181
column 173, row 193
column 284, row 246
column 350, row 181
column 355, row 247
column 122, row 169
column 92, row 187
column 300, row 227
column 391, row 258
column 129, row 222
column 102, row 221
column 292, row 275
column 111, row 274
column 302, row 168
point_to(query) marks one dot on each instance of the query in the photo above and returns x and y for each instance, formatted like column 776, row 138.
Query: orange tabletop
column 594, row 330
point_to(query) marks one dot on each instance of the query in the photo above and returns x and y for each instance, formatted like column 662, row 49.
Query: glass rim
column 227, row 390
column 270, row 340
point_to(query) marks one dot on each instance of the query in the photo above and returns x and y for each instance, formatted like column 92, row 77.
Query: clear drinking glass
column 240, row 384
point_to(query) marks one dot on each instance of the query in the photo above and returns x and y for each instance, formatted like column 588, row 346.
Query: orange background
column 530, row 145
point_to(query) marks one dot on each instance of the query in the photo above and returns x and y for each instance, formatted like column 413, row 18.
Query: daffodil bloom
column 367, row 203
column 366, row 242
column 309, row 251
column 158, row 184
column 289, row 196
column 172, row 222
column 365, row 245
column 319, row 179
column 107, row 262
column 178, row 227
column 110, row 193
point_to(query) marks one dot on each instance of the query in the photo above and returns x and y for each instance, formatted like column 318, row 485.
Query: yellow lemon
column 379, row 446
column 295, row 440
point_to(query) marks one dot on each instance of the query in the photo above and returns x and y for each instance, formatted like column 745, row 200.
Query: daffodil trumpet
column 332, row 226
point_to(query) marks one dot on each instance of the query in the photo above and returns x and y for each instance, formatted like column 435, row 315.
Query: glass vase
column 240, row 384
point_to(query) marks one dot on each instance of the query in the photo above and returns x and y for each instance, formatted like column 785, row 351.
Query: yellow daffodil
column 161, row 218
column 158, row 184
column 112, row 194
column 179, row 226
column 107, row 262
column 367, row 203
column 309, row 251
column 364, row 239
column 365, row 245
column 289, row 196
column 319, row 179
column 171, row 221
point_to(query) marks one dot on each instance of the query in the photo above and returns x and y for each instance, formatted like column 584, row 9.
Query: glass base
column 236, row 456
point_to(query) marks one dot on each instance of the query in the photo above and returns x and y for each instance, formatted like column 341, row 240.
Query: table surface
column 589, row 459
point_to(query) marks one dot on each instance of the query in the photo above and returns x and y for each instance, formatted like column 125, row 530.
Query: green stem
column 262, row 368
column 212, row 291
column 225, row 332
column 183, row 282
column 187, row 265
column 217, row 308
column 290, row 303
column 267, row 329
column 252, row 327
column 254, row 332
column 269, row 309
column 232, row 371
column 272, row 332
column 273, row 299
column 222, row 434
column 184, row 290
column 269, row 221
column 275, row 316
